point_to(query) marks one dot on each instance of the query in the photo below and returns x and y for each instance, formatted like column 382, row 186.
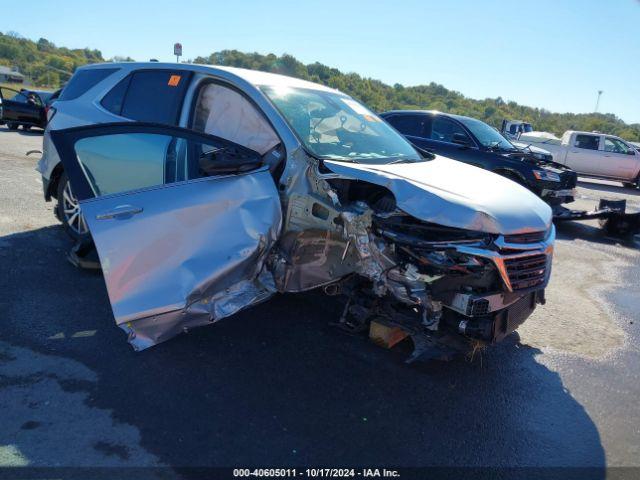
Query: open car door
column 182, row 223
column 17, row 109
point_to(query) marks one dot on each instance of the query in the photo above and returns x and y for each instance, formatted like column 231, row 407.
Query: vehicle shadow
column 591, row 232
column 275, row 385
column 613, row 189
column 34, row 132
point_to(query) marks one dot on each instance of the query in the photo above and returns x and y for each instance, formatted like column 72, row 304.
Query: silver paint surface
column 454, row 194
column 192, row 256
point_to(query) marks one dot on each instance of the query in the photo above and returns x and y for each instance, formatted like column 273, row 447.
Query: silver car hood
column 455, row 194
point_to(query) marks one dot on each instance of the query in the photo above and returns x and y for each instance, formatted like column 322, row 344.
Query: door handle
column 122, row 211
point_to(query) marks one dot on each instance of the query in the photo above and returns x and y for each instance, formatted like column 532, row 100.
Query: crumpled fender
column 455, row 194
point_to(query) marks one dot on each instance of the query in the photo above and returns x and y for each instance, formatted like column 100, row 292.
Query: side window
column 588, row 142
column 114, row 100
column 444, row 129
column 412, row 125
column 615, row 145
column 149, row 96
column 13, row 95
column 83, row 80
column 226, row 113
column 122, row 162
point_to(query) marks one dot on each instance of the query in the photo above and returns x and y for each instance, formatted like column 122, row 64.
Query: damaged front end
column 447, row 288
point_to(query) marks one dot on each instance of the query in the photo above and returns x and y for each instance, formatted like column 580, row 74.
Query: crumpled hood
column 455, row 194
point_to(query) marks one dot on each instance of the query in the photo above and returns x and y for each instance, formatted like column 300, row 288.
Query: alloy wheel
column 71, row 210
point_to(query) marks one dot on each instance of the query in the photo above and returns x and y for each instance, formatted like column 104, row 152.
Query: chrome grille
column 526, row 272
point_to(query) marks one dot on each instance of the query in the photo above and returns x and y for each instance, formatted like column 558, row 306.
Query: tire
column 12, row 126
column 68, row 210
column 633, row 185
column 26, row 128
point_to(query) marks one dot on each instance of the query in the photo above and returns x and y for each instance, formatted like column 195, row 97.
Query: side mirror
column 461, row 139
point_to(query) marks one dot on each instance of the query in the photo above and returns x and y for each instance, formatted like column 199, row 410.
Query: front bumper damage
column 435, row 268
column 447, row 262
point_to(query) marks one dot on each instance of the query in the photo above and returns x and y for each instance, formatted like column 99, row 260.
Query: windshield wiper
column 493, row 145
column 496, row 146
column 402, row 160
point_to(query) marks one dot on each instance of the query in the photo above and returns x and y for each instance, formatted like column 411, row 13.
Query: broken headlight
column 546, row 175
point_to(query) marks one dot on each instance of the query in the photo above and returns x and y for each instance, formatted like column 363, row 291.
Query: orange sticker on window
column 174, row 80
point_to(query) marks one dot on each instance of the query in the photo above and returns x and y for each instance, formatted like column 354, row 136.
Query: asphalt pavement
column 277, row 386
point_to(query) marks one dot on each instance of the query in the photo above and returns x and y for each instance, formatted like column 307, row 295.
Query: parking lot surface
column 277, row 386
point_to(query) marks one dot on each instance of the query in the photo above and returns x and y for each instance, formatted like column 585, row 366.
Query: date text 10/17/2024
column 316, row 473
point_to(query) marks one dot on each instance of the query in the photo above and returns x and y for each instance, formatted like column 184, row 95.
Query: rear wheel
column 26, row 128
column 69, row 211
column 12, row 126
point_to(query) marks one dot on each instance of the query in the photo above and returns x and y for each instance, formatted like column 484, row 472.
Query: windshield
column 336, row 127
column 486, row 135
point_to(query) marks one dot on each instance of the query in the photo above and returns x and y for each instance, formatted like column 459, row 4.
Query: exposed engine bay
column 447, row 288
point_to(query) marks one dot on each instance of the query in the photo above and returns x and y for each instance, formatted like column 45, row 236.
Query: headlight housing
column 546, row 175
column 542, row 156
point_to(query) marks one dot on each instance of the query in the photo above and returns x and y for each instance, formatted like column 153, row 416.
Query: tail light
column 49, row 112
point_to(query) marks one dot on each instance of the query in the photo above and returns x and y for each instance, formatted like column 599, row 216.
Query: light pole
column 598, row 101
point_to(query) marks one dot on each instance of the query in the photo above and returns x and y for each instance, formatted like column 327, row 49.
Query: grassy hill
column 46, row 64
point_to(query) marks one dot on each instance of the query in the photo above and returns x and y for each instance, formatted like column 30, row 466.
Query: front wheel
column 68, row 210
column 634, row 185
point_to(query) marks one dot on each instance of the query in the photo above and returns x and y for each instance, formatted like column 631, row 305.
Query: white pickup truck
column 592, row 154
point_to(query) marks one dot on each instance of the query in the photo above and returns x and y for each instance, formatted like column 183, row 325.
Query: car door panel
column 585, row 160
column 10, row 108
column 15, row 107
column 174, row 261
column 183, row 254
column 617, row 164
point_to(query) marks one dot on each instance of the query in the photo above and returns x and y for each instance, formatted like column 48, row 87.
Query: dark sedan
column 471, row 141
column 25, row 107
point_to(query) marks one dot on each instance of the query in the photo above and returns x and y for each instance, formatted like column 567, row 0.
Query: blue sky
column 544, row 53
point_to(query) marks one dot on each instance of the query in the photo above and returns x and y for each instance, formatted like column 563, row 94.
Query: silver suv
column 209, row 189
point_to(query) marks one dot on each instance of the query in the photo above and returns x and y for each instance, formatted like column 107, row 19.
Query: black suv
column 471, row 141
column 25, row 107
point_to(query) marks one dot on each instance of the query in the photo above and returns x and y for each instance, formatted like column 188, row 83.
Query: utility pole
column 598, row 101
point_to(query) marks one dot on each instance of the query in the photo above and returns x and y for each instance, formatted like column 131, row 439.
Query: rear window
column 588, row 142
column 149, row 96
column 83, row 80
column 413, row 125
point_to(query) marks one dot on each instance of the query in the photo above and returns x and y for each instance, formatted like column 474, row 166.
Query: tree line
column 43, row 63
column 46, row 64
column 380, row 96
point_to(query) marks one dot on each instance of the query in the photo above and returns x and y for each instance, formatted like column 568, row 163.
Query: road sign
column 177, row 49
